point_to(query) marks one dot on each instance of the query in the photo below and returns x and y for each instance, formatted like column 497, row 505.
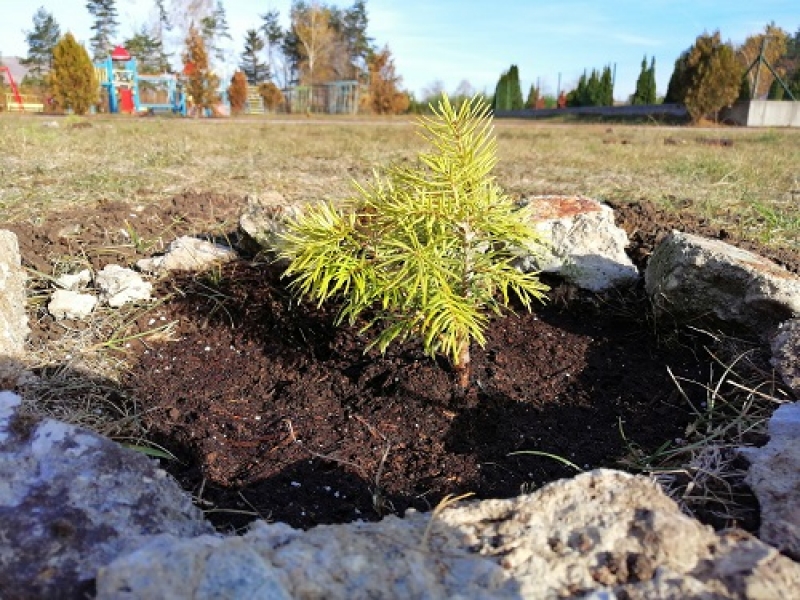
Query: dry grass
column 751, row 187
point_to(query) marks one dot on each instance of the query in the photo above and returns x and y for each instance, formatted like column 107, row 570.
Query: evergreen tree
column 640, row 96
column 42, row 39
column 353, row 29
column 160, row 27
column 517, row 103
column 678, row 81
column 652, row 91
column 104, row 27
column 237, row 92
column 606, row 88
column 251, row 64
column 215, row 27
column 272, row 96
column 533, row 97
column 201, row 83
column 72, row 78
column 273, row 37
column 147, row 51
column 508, row 93
column 502, row 98
column 579, row 96
column 713, row 74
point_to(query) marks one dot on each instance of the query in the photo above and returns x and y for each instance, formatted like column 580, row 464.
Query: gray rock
column 120, row 286
column 74, row 281
column 604, row 533
column 786, row 354
column 583, row 244
column 187, row 254
column 689, row 276
column 71, row 501
column 67, row 304
column 774, row 476
column 13, row 317
column 264, row 219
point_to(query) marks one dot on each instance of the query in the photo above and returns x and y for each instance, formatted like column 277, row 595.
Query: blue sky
column 475, row 40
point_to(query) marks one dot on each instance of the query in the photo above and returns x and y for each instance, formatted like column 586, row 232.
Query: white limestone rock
column 689, row 277
column 119, row 286
column 74, row 281
column 187, row 254
column 264, row 219
column 605, row 533
column 14, row 328
column 774, row 476
column 583, row 244
column 68, row 304
column 71, row 501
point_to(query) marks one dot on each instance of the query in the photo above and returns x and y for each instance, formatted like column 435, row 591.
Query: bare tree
column 317, row 38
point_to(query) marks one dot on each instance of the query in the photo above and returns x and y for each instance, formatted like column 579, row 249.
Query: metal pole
column 754, row 91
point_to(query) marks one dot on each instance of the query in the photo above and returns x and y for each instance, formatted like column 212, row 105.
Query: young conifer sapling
column 424, row 251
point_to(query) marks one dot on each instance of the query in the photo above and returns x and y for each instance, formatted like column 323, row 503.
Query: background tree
column 255, row 70
column 104, row 26
column 351, row 25
column 42, row 39
column 533, row 97
column 508, row 93
column 147, row 50
column 201, row 82
column 237, row 92
column 595, row 90
column 312, row 26
column 775, row 42
column 713, row 75
column 160, row 26
column 272, row 95
column 646, row 84
column 214, row 27
column 679, row 80
column 606, row 95
column 384, row 96
column 464, row 92
column 72, row 78
column 273, row 37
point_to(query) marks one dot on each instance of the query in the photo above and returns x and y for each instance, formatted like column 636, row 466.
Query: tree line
column 708, row 76
column 323, row 43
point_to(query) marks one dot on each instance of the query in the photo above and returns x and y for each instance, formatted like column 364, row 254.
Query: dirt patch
column 275, row 413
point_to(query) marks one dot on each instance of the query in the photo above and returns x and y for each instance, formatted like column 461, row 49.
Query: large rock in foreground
column 604, row 531
column 583, row 245
column 774, row 476
column 71, row 501
column 689, row 277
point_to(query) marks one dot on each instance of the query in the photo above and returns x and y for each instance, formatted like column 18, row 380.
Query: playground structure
column 130, row 92
column 335, row 98
column 20, row 102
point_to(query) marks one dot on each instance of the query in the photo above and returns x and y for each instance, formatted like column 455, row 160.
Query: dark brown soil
column 274, row 412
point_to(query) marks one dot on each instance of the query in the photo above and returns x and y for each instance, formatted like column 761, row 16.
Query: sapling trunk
column 462, row 365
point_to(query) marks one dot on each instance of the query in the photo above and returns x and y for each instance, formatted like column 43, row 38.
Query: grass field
column 751, row 187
